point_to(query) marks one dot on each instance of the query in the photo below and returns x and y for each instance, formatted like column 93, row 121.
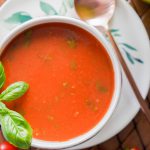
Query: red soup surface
column 70, row 75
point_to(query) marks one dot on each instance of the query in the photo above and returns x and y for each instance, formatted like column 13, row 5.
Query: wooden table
column 137, row 133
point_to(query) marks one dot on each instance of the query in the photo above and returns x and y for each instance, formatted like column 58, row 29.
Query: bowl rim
column 117, row 75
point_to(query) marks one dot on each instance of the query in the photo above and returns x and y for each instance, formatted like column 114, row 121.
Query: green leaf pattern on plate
column 47, row 8
column 19, row 17
column 71, row 3
column 139, row 60
column 114, row 30
column 129, row 57
column 127, row 48
column 65, row 6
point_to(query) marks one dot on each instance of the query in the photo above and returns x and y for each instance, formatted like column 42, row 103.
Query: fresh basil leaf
column 2, row 75
column 2, row 108
column 15, row 128
column 14, row 91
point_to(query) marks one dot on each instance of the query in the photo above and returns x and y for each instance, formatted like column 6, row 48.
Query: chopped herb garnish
column 101, row 88
column 65, row 84
column 91, row 105
column 72, row 43
column 73, row 65
column 27, row 37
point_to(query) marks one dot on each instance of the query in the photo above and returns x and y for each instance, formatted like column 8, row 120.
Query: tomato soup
column 71, row 80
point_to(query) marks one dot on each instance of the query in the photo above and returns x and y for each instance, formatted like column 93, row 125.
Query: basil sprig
column 15, row 128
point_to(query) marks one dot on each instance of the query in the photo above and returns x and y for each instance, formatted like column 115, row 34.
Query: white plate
column 130, row 35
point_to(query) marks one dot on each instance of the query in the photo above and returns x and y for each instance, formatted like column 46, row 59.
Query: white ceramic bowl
column 117, row 76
